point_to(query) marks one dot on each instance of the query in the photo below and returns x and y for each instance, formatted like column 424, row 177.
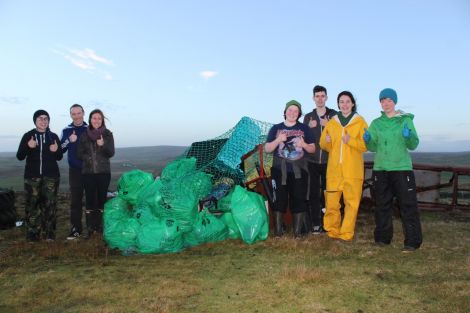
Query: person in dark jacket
column 289, row 142
column 317, row 161
column 69, row 143
column 95, row 148
column 40, row 148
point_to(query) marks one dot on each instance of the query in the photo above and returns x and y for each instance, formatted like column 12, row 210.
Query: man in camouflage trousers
column 40, row 148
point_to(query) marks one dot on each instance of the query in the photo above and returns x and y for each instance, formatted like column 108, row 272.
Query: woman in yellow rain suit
column 342, row 138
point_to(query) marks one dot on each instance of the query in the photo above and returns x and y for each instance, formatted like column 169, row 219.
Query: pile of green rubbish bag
column 163, row 215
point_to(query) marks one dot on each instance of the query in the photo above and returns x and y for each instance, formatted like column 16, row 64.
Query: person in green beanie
column 391, row 136
column 290, row 141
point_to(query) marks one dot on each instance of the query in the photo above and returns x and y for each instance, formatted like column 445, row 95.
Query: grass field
column 316, row 274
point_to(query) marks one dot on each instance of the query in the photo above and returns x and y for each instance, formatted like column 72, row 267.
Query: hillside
column 150, row 159
column 153, row 159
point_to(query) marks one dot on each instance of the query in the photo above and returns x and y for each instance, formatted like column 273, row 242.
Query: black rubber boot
column 91, row 222
column 300, row 223
column 278, row 218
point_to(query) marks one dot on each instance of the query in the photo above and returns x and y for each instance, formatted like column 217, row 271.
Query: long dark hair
column 350, row 95
column 94, row 112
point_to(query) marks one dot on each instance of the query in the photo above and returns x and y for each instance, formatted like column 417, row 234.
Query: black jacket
column 320, row 156
column 40, row 161
column 95, row 158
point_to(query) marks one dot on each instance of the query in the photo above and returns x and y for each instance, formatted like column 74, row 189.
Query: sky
column 176, row 72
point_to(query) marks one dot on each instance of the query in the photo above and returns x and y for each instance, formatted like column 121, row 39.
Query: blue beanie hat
column 388, row 93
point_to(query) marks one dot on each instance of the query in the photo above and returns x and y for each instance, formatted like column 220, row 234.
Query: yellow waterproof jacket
column 345, row 160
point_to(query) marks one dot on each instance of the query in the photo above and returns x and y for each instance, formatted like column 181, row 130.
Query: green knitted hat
column 294, row 102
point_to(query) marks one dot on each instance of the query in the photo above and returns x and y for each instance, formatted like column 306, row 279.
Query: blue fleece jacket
column 71, row 147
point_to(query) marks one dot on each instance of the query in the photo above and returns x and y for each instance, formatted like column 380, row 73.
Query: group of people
column 318, row 168
column 89, row 148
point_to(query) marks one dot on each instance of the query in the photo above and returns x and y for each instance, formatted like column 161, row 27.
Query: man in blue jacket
column 69, row 143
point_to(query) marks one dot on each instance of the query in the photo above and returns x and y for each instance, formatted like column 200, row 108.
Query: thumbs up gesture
column 73, row 137
column 366, row 136
column 300, row 143
column 312, row 123
column 100, row 142
column 328, row 137
column 406, row 132
column 54, row 146
column 32, row 143
column 282, row 137
column 346, row 137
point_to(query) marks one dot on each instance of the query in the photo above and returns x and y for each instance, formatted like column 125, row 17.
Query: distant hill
column 153, row 159
column 149, row 159
column 436, row 158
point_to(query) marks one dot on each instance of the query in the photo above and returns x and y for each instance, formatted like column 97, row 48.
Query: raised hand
column 54, row 146
column 328, row 137
column 300, row 143
column 323, row 120
column 282, row 137
column 406, row 132
column 312, row 123
column 366, row 136
column 346, row 137
column 32, row 143
column 73, row 137
column 100, row 142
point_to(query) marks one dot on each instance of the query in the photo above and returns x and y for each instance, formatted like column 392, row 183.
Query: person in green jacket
column 391, row 136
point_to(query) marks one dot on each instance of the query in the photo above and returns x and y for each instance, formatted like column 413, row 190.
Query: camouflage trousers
column 41, row 207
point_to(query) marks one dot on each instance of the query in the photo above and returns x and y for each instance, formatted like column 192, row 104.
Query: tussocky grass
column 315, row 274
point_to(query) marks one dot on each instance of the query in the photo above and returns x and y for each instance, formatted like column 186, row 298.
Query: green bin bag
column 233, row 231
column 249, row 214
column 207, row 228
column 120, row 228
column 132, row 183
column 162, row 236
column 178, row 168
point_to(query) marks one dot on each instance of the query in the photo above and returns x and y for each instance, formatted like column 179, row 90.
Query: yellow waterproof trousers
column 351, row 189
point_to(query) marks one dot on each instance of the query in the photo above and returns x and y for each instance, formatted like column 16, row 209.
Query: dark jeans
column 96, row 189
column 402, row 185
column 76, row 197
column 317, row 187
column 293, row 194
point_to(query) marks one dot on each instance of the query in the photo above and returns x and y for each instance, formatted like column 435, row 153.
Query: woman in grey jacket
column 95, row 148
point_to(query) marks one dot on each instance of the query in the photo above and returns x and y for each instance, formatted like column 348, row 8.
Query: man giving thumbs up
column 69, row 143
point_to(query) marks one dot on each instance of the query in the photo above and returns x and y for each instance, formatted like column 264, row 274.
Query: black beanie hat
column 39, row 113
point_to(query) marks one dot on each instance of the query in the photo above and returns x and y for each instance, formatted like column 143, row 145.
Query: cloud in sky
column 208, row 74
column 86, row 59
column 13, row 100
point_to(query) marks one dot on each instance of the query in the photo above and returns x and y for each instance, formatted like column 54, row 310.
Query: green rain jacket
column 389, row 144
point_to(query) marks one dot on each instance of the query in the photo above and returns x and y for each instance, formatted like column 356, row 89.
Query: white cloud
column 89, row 54
column 208, row 74
column 86, row 59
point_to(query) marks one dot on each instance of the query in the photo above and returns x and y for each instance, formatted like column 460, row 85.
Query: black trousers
column 76, row 197
column 96, row 189
column 402, row 185
column 317, row 187
column 293, row 194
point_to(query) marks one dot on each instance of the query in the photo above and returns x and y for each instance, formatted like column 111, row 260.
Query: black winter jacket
column 320, row 156
column 40, row 161
column 95, row 158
